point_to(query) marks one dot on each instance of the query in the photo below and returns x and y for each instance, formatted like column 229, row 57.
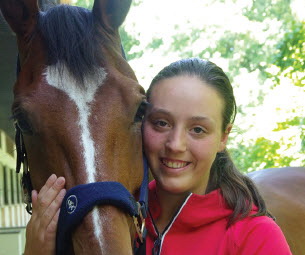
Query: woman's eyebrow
column 193, row 118
column 158, row 110
column 200, row 118
column 203, row 119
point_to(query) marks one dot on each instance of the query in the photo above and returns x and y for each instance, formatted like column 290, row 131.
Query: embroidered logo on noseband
column 71, row 204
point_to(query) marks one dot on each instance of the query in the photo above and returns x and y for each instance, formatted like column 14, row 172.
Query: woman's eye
column 198, row 130
column 161, row 123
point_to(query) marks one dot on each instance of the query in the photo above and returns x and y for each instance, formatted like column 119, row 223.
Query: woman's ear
column 224, row 137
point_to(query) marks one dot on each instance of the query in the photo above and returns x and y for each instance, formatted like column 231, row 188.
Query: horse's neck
column 111, row 233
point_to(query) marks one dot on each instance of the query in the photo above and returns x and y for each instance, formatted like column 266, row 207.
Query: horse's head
column 76, row 101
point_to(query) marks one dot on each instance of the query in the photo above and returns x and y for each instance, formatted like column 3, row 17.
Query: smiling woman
column 199, row 202
column 183, row 133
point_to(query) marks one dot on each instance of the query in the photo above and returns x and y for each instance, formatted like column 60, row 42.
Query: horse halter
column 25, row 179
column 81, row 199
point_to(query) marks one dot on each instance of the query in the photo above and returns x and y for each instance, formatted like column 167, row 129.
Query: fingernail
column 60, row 181
column 52, row 177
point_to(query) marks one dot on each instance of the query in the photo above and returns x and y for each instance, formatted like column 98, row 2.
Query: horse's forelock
column 71, row 38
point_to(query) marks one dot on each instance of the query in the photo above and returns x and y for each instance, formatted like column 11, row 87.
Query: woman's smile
column 175, row 164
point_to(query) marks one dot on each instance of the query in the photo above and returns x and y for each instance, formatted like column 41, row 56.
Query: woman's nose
column 176, row 140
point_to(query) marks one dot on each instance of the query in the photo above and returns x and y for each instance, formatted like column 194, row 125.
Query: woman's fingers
column 49, row 216
column 48, row 184
column 35, row 197
column 49, row 193
column 50, row 236
column 41, row 229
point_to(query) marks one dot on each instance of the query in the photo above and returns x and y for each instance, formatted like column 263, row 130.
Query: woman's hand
column 41, row 229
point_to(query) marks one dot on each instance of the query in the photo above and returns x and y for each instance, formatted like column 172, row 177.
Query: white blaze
column 82, row 96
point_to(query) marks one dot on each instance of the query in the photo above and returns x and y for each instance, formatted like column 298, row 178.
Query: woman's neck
column 170, row 204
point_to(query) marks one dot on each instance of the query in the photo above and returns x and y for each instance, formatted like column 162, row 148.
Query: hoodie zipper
column 159, row 241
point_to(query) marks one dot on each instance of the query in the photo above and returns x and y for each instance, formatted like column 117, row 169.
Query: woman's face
column 183, row 133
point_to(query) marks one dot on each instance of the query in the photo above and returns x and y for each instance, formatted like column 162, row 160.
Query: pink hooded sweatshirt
column 199, row 228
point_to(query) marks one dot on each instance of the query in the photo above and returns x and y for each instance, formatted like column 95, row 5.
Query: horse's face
column 76, row 101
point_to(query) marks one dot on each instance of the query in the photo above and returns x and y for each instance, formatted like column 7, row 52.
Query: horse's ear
column 111, row 13
column 21, row 15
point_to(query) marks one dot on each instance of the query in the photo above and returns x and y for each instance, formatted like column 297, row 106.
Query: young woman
column 199, row 202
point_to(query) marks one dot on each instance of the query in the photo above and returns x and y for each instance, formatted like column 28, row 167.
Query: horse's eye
column 141, row 111
column 22, row 122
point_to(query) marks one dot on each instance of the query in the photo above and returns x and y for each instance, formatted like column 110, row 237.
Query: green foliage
column 155, row 44
column 302, row 136
column 286, row 50
column 262, row 9
column 128, row 43
column 242, row 50
column 136, row 2
column 226, row 45
column 262, row 153
column 180, row 41
column 289, row 51
column 85, row 3
column 296, row 121
column 290, row 57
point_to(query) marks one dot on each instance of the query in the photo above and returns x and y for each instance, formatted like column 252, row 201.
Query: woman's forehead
column 189, row 87
column 186, row 95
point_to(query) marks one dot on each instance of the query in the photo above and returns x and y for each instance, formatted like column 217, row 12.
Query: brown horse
column 76, row 102
column 284, row 192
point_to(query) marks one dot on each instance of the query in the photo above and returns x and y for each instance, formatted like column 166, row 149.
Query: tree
column 268, row 54
column 290, row 54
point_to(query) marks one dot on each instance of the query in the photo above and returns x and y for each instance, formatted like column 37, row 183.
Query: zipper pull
column 157, row 244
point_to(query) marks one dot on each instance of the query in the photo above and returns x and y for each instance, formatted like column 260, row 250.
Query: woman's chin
column 174, row 187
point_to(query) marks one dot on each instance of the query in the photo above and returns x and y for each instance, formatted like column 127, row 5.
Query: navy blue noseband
column 81, row 199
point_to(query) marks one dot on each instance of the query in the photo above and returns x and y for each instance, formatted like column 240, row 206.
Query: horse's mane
column 71, row 40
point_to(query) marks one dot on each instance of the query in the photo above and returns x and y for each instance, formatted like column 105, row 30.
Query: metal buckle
column 136, row 219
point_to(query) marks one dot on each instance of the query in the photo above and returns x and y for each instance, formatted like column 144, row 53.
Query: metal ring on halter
column 141, row 219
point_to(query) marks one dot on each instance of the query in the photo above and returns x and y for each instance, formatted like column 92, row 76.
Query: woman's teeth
column 174, row 164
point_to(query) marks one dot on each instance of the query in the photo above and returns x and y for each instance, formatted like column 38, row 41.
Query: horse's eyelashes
column 22, row 122
column 141, row 111
column 24, row 126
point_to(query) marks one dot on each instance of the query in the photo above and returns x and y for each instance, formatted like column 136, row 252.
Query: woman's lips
column 176, row 164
